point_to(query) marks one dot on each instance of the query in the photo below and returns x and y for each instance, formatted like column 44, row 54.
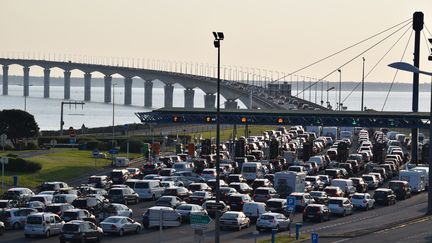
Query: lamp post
column 25, row 95
column 410, row 68
column 218, row 37
column 113, row 105
column 340, row 89
column 363, row 77
column 331, row 88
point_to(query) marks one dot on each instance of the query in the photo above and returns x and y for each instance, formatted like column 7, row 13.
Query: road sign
column 4, row 160
column 199, row 219
column 3, row 139
column 314, row 237
column 113, row 151
column 72, row 140
column 290, row 204
column 199, row 226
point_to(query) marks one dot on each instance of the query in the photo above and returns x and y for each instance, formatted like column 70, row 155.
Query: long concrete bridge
column 231, row 91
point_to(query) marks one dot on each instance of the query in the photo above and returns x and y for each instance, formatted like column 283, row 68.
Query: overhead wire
column 340, row 51
column 346, row 63
column 378, row 62
column 396, row 72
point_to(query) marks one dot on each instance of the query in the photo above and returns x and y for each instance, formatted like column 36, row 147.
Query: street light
column 410, row 68
column 363, row 77
column 218, row 37
column 340, row 89
column 328, row 103
column 25, row 95
column 113, row 105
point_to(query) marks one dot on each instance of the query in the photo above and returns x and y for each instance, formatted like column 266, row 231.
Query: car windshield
column 208, row 172
column 262, row 191
column 274, row 204
column 4, row 204
column 70, row 215
column 111, row 220
column 165, row 173
column 94, row 180
column 70, row 227
column 195, row 187
column 368, row 178
column 199, row 194
column 358, row 196
column 34, row 220
column 235, row 199
column 52, row 209
column 141, row 185
column 311, row 179
column 249, row 169
column 316, row 194
column 229, row 216
column 79, row 203
column 165, row 199
column 170, row 191
column 335, row 201
column 266, row 217
column 115, row 192
column 117, row 174
column 380, row 193
column 311, row 210
column 395, row 186
column 149, row 166
column 185, row 207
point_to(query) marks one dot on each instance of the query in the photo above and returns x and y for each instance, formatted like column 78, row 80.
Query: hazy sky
column 279, row 35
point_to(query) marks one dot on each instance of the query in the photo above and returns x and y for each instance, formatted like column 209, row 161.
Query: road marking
column 339, row 241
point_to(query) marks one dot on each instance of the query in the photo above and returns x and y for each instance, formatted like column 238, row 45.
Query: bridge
column 231, row 90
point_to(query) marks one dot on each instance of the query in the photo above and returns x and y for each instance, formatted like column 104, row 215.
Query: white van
column 122, row 162
column 45, row 224
column 153, row 216
column 425, row 171
column 148, row 189
column 414, row 178
column 252, row 171
column 254, row 209
column 346, row 185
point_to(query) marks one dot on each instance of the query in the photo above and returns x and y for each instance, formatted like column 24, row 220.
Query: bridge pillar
column 87, row 86
column 209, row 101
column 128, row 91
column 67, row 75
column 189, row 98
column 169, row 89
column 148, row 93
column 231, row 104
column 107, row 88
column 47, row 82
column 5, row 79
column 26, row 81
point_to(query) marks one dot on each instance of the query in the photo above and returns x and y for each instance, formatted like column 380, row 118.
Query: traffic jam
column 321, row 173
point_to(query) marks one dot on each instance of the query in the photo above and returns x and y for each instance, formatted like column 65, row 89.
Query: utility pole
column 362, row 93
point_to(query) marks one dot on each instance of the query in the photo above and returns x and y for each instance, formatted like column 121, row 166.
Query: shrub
column 21, row 165
column 94, row 144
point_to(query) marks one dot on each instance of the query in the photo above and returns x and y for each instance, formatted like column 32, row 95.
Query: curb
column 358, row 233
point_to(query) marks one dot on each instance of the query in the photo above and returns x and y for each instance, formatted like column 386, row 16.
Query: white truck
column 161, row 217
column 415, row 178
column 330, row 132
column 425, row 171
column 287, row 182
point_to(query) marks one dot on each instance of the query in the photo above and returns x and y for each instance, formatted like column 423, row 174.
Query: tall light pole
column 410, row 68
column 331, row 88
column 218, row 37
column 25, row 95
column 113, row 130
column 363, row 77
column 340, row 89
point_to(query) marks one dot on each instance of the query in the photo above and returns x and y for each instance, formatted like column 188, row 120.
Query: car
column 79, row 230
column 320, row 197
column 360, row 185
column 262, row 194
column 237, row 220
column 152, row 168
column 15, row 218
column 178, row 191
column 236, row 201
column 325, row 179
column 401, row 189
column 212, row 184
column 102, row 181
column 185, row 210
column 134, row 173
column 208, row 174
column 362, row 201
column 78, row 214
column 5, row 204
column 316, row 182
column 199, row 197
column 167, row 172
column 123, row 195
column 117, row 209
column 272, row 221
column 334, row 191
column 261, row 183
column 236, row 178
column 384, row 196
column 316, row 212
column 169, row 201
column 120, row 225
column 302, row 199
column 225, row 192
column 211, row 207
column 277, row 205
column 199, row 186
column 58, row 208
column 340, row 206
column 43, row 224
column 241, row 187
column 371, row 181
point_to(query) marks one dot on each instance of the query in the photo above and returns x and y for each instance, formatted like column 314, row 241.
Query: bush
column 135, row 146
column 94, row 144
column 21, row 165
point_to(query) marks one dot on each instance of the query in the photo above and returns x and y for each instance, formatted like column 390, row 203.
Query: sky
column 277, row 35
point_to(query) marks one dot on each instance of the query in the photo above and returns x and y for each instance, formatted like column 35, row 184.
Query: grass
column 286, row 238
column 60, row 165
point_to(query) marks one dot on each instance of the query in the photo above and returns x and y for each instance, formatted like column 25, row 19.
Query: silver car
column 236, row 220
column 340, row 205
column 276, row 221
column 120, row 225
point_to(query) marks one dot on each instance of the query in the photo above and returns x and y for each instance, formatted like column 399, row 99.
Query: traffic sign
column 72, row 140
column 290, row 204
column 53, row 142
column 314, row 237
column 4, row 160
column 199, row 219
column 3, row 139
column 113, row 151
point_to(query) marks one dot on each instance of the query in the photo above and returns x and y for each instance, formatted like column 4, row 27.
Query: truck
column 330, row 132
column 425, row 171
column 415, row 178
column 287, row 182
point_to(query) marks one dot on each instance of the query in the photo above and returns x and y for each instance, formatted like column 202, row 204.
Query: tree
column 18, row 124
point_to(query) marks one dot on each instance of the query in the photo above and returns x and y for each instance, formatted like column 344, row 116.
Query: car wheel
column 16, row 226
column 137, row 230
column 47, row 234
column 99, row 238
column 321, row 219
column 83, row 239
column 258, row 229
column 121, row 232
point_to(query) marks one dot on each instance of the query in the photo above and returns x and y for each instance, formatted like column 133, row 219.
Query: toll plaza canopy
column 291, row 117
